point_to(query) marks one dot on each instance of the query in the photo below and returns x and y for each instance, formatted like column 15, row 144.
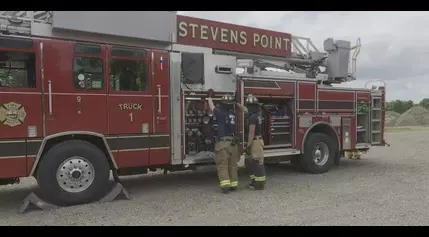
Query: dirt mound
column 416, row 116
column 391, row 117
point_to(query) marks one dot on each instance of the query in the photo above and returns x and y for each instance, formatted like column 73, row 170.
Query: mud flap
column 33, row 200
column 337, row 158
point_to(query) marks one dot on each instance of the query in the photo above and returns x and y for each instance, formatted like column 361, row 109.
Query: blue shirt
column 226, row 122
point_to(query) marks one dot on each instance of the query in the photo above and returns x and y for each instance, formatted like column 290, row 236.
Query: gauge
column 206, row 119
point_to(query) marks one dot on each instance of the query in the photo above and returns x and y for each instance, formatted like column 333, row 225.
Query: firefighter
column 226, row 149
column 255, row 145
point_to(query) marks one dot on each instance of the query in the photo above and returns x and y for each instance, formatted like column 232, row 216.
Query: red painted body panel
column 299, row 136
column 219, row 35
column 307, row 91
column 159, row 156
column 13, row 167
column 335, row 100
column 336, row 95
column 130, row 158
column 285, row 89
column 363, row 96
column 29, row 98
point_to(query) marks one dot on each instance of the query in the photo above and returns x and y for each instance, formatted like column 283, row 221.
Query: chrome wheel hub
column 75, row 174
column 320, row 153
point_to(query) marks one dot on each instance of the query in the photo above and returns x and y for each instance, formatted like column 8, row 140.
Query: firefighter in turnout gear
column 226, row 148
column 254, row 158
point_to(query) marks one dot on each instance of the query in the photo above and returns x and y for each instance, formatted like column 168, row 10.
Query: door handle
column 50, row 96
column 159, row 98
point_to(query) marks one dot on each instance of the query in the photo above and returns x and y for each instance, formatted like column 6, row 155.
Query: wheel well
column 324, row 128
column 95, row 140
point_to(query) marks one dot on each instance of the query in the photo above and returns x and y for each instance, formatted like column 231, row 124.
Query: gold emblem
column 12, row 114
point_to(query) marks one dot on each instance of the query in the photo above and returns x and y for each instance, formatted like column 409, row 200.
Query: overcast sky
column 394, row 44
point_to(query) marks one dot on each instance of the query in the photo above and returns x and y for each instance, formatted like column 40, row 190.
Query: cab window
column 17, row 69
column 130, row 74
column 88, row 73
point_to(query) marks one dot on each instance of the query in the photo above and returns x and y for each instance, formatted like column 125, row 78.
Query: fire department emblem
column 12, row 114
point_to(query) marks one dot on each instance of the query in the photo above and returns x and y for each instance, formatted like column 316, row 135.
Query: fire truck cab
column 81, row 98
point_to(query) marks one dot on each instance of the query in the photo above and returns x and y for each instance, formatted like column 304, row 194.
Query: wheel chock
column 33, row 199
column 116, row 191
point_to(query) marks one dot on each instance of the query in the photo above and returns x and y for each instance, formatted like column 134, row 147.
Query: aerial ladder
column 333, row 66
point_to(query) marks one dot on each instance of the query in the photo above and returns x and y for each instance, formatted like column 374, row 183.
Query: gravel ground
column 389, row 186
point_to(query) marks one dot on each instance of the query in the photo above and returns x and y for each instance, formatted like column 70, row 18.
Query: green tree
column 400, row 106
column 424, row 103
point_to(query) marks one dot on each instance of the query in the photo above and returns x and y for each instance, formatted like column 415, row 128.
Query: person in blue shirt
column 226, row 149
column 254, row 158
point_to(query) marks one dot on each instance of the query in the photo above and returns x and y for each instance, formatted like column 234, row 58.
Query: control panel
column 201, row 126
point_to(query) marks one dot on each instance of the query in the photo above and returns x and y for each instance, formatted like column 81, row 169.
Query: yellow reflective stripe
column 234, row 184
column 252, row 176
column 225, row 183
column 260, row 178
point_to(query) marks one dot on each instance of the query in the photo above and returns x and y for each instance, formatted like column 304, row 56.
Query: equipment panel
column 200, row 129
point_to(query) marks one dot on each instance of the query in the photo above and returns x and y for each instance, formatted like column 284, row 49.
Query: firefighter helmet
column 228, row 99
column 251, row 100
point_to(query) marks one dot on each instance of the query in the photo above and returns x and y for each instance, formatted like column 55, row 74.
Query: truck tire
column 319, row 154
column 73, row 172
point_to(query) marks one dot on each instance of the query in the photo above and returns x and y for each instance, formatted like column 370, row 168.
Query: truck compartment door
column 130, row 105
column 160, row 152
column 74, row 87
column 20, row 105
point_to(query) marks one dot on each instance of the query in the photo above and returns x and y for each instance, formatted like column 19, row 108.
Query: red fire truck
column 86, row 94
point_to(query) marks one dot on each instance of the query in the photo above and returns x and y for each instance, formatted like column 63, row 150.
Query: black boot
column 259, row 185
column 226, row 190
column 232, row 189
column 252, row 184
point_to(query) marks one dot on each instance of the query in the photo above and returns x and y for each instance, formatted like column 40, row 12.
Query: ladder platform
column 33, row 200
